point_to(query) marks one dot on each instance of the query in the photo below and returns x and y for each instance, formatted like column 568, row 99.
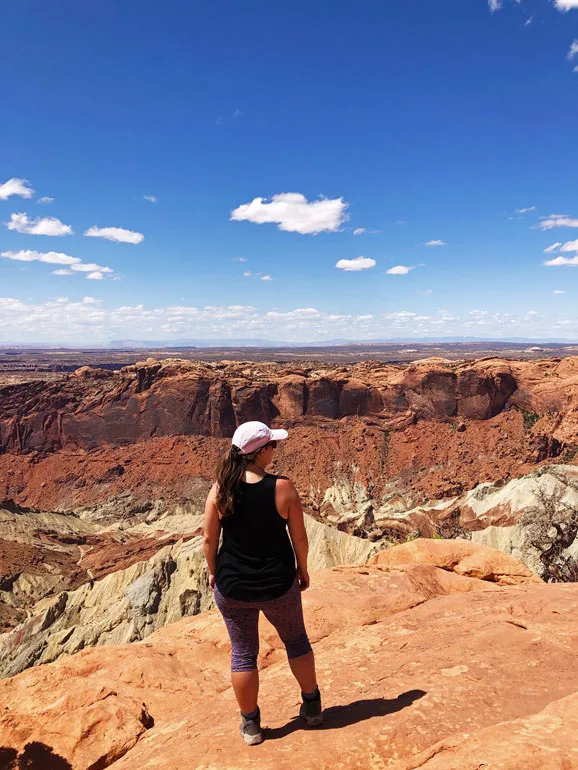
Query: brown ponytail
column 230, row 471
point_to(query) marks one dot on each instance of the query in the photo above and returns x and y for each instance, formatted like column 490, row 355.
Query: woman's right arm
column 289, row 504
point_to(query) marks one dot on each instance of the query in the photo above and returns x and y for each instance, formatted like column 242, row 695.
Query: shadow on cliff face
column 357, row 711
column 34, row 756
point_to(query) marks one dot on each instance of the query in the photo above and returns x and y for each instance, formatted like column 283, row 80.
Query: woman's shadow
column 341, row 716
column 34, row 756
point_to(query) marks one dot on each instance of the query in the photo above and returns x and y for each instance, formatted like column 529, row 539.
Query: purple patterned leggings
column 242, row 621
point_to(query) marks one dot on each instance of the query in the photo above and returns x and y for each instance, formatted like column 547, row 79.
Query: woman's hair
column 230, row 472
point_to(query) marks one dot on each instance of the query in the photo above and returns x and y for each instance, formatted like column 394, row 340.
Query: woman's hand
column 303, row 578
column 212, row 582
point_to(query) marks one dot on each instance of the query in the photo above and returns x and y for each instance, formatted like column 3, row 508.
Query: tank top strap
column 270, row 482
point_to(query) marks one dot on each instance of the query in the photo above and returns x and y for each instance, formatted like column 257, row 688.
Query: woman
column 255, row 568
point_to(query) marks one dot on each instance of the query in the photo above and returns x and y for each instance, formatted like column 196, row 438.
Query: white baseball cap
column 253, row 435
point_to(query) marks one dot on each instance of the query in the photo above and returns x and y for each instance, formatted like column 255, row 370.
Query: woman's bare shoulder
column 285, row 485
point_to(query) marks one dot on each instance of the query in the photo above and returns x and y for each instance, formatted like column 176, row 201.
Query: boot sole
column 252, row 740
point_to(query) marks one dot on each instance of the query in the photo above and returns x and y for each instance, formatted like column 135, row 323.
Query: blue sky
column 273, row 133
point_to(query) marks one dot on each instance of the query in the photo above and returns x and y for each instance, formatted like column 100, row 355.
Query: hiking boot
column 311, row 711
column 250, row 729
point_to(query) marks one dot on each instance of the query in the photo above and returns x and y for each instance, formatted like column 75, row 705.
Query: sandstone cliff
column 95, row 407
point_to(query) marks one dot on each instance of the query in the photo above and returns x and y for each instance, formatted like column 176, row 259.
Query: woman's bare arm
column 212, row 531
column 289, row 506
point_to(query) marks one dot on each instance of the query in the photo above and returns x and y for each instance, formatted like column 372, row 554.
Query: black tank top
column 256, row 561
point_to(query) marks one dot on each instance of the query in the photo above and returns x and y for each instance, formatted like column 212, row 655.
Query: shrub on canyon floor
column 551, row 527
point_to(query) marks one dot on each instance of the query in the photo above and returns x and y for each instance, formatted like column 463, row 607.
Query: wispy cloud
column 294, row 213
column 529, row 21
column 38, row 226
column 365, row 231
column 561, row 261
column 557, row 220
column 552, row 248
column 57, row 258
column 569, row 246
column 239, row 259
column 265, row 278
column 573, row 49
column 495, row 5
column 400, row 270
column 151, row 198
column 526, row 210
column 356, row 264
column 559, row 291
column 16, row 186
column 436, row 243
column 118, row 234
column 45, row 199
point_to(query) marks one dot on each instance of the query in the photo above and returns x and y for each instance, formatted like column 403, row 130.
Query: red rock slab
column 462, row 557
column 542, row 741
column 393, row 689
column 406, row 656
column 179, row 669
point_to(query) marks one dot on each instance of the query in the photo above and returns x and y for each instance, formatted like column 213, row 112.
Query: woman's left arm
column 212, row 532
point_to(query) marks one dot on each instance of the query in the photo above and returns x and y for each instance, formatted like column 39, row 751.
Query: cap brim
column 278, row 435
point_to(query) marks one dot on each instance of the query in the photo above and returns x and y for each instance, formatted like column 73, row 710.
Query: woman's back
column 256, row 561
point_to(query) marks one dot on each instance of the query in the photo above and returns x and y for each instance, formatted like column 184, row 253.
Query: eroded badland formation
column 442, row 502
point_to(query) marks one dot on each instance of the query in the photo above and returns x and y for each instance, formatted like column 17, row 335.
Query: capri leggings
column 242, row 621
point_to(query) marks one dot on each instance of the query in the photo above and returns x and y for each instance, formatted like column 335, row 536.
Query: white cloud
column 16, row 186
column 495, row 5
column 247, row 273
column 239, row 259
column 566, row 5
column 569, row 246
column 52, row 257
column 45, row 199
column 365, row 231
column 529, row 21
column 552, row 248
column 359, row 263
column 266, row 278
column 399, row 270
column 436, row 243
column 38, row 226
column 427, row 291
column 96, row 275
column 88, row 267
column 526, row 210
column 88, row 320
column 532, row 312
column 573, row 48
column 55, row 258
column 559, row 291
column 294, row 213
column 151, row 198
column 559, row 261
column 115, row 234
column 62, row 271
column 557, row 220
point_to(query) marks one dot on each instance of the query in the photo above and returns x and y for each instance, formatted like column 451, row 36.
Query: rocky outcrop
column 91, row 408
column 419, row 667
column 461, row 557
column 127, row 595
